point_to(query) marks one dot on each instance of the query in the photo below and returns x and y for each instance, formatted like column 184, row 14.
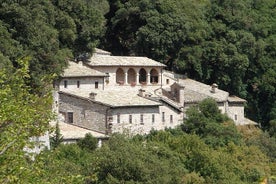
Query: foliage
column 255, row 137
column 89, row 142
column 57, row 138
column 206, row 121
column 170, row 156
column 22, row 115
column 50, row 32
column 231, row 43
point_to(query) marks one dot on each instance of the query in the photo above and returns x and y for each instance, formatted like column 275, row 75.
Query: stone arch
column 131, row 76
column 120, row 76
column 154, row 76
column 142, row 75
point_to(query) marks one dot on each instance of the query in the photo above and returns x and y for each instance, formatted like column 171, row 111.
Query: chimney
column 214, row 87
column 92, row 96
column 141, row 92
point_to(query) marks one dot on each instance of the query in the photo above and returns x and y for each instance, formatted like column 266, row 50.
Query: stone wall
column 86, row 113
column 152, row 119
column 85, row 84
column 236, row 112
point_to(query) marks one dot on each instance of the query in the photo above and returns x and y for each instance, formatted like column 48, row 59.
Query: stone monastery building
column 108, row 94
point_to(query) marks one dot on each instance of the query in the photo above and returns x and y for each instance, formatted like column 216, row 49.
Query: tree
column 88, row 143
column 51, row 32
column 206, row 121
column 22, row 116
column 57, row 138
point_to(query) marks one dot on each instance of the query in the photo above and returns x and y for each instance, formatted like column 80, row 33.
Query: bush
column 88, row 143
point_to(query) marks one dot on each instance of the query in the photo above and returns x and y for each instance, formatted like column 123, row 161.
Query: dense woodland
column 229, row 42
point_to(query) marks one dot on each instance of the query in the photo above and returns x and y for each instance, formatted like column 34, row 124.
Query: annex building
column 107, row 94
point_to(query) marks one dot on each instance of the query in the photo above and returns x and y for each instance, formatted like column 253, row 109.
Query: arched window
column 131, row 76
column 142, row 76
column 154, row 76
column 120, row 76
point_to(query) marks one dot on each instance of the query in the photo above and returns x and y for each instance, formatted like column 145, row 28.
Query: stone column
column 137, row 77
column 148, row 78
column 125, row 77
column 159, row 78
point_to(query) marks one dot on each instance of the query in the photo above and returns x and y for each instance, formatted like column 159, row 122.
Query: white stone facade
column 133, row 94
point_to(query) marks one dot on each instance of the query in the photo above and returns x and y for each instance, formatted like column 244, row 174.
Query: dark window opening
column 163, row 116
column 142, row 76
column 167, row 81
column 171, row 118
column 118, row 118
column 70, row 117
column 130, row 118
column 96, row 85
column 65, row 84
column 153, row 118
column 78, row 84
column 142, row 119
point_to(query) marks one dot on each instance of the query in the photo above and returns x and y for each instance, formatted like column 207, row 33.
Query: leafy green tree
column 51, row 32
column 124, row 161
column 206, row 121
column 22, row 115
column 229, row 42
column 88, row 143
column 57, row 138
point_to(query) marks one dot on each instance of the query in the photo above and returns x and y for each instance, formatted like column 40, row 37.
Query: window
column 171, row 118
column 152, row 118
column 236, row 117
column 130, row 118
column 78, row 84
column 163, row 116
column 168, row 81
column 70, row 117
column 142, row 118
column 96, row 85
column 118, row 118
column 65, row 84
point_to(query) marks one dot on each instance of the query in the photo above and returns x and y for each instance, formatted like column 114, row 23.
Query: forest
column 229, row 42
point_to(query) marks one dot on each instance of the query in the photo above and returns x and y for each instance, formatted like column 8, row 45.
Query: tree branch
column 7, row 147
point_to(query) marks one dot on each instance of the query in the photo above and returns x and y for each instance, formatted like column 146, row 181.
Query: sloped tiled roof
column 191, row 96
column 80, row 70
column 235, row 99
column 249, row 122
column 70, row 131
column 116, row 98
column 101, row 52
column 104, row 60
column 195, row 91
